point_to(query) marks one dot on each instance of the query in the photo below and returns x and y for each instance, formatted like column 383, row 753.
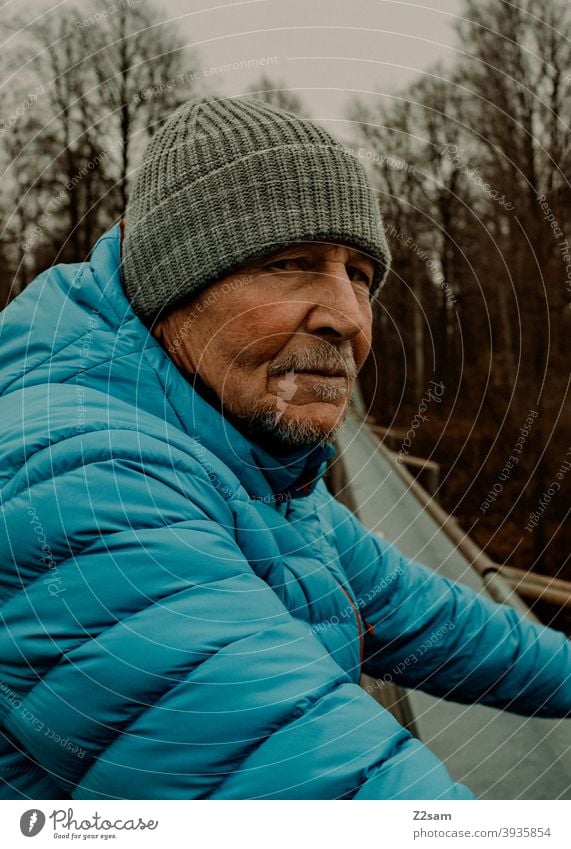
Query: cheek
column 362, row 344
column 258, row 334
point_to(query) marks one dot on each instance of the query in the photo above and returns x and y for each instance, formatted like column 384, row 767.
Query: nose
column 340, row 310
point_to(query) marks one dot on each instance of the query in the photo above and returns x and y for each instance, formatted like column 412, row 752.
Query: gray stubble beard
column 267, row 422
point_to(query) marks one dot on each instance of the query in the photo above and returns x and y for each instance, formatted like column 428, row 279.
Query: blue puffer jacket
column 184, row 616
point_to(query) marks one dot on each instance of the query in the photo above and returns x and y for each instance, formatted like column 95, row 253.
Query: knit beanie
column 224, row 182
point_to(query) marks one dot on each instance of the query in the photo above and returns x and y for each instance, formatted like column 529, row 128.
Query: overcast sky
column 325, row 50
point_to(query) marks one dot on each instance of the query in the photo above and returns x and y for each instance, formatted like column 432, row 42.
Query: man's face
column 280, row 341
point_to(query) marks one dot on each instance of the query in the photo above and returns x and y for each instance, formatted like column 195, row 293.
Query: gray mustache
column 316, row 359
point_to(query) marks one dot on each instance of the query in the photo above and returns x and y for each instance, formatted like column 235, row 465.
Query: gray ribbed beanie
column 227, row 181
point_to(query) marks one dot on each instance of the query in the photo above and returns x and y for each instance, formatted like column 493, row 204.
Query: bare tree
column 143, row 74
column 404, row 142
column 107, row 82
column 472, row 168
column 520, row 55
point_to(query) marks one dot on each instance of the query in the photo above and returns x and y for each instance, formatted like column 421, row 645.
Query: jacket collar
column 265, row 475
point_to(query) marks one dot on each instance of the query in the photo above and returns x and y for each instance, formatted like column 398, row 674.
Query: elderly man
column 186, row 609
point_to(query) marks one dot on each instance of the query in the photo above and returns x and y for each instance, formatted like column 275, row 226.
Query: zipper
column 359, row 625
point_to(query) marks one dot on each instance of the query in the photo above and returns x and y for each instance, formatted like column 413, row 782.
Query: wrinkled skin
column 280, row 340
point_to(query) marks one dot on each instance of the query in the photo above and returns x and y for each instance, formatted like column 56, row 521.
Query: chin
column 321, row 415
column 311, row 423
column 288, row 425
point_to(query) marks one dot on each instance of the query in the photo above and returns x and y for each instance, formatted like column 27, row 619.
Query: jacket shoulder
column 50, row 429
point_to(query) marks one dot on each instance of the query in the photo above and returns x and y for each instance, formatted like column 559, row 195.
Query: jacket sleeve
column 427, row 632
column 161, row 666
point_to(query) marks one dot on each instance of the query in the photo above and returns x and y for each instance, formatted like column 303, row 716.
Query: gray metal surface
column 497, row 754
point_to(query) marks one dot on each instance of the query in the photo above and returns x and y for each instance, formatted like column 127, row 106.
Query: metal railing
column 504, row 584
column 520, row 759
column 500, row 589
column 538, row 587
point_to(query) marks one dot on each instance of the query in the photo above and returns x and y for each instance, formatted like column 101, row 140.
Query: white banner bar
column 288, row 825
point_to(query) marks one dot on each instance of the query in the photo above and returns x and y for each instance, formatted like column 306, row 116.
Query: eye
column 359, row 274
column 293, row 263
